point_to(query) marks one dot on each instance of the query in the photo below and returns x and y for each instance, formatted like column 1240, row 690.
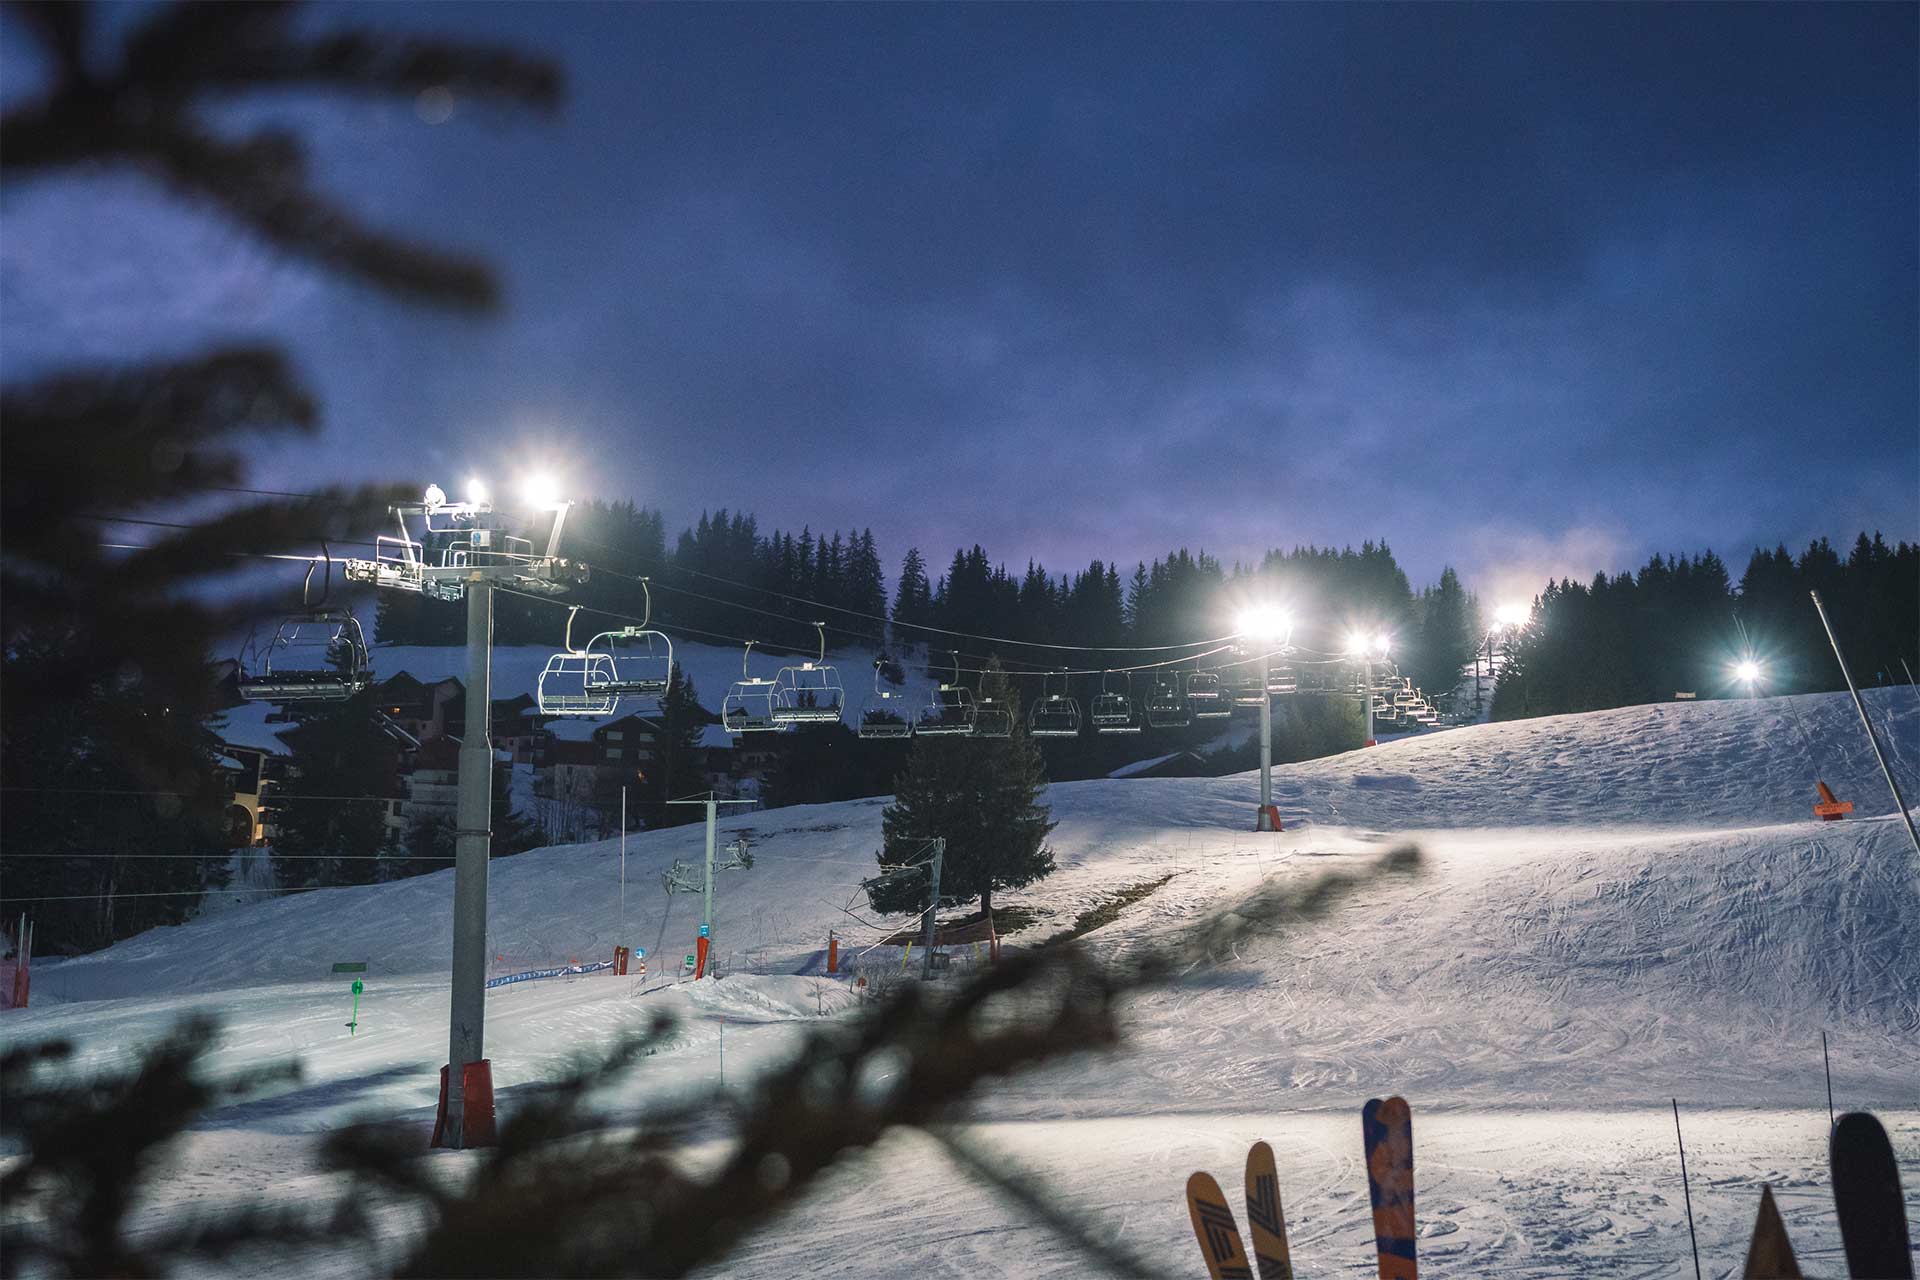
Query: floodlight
column 476, row 490
column 1265, row 622
column 435, row 496
column 541, row 491
column 1381, row 643
column 1513, row 614
column 1747, row 671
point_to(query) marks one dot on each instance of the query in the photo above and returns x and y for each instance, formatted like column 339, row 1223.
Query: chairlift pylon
column 1055, row 715
column 748, row 706
column 809, row 693
column 1113, row 712
column 633, row 675
column 950, row 710
column 575, row 682
column 886, row 714
column 339, row 668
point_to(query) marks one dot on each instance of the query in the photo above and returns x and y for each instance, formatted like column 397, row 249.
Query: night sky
column 1520, row 289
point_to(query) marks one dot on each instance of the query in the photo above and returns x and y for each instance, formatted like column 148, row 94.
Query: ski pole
column 1684, row 1190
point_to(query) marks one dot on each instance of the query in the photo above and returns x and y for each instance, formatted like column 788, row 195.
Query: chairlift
column 1167, row 706
column 992, row 718
column 886, row 714
column 1113, row 712
column 1404, row 696
column 634, row 674
column 322, row 652
column 1281, row 678
column 1207, row 696
column 809, row 693
column 748, row 706
column 577, row 682
column 1055, row 715
column 950, row 709
column 1246, row 687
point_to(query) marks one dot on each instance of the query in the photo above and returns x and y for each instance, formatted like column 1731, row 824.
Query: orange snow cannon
column 1830, row 809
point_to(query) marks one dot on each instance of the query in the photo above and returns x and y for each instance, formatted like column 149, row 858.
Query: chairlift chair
column 330, row 642
column 1167, row 705
column 1207, row 697
column 992, row 718
column 331, row 635
column 950, row 709
column 1055, row 715
column 635, row 674
column 1247, row 691
column 748, row 706
column 886, row 714
column 1113, row 712
column 577, row 682
column 1281, row 678
column 809, row 693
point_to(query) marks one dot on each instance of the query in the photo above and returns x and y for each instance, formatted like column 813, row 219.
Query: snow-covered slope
column 1617, row 908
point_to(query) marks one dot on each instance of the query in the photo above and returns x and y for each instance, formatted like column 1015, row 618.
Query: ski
column 1264, row 1218
column 1866, row 1196
column 1387, row 1130
column 1213, row 1228
column 1769, row 1253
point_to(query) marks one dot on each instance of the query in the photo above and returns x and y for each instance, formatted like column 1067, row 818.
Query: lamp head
column 1265, row 622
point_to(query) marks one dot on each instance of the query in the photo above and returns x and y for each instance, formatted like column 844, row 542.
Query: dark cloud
column 1521, row 288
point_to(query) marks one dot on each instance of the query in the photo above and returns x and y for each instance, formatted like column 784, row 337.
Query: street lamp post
column 1369, row 649
column 1267, row 626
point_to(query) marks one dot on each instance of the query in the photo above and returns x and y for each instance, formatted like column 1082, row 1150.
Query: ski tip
column 1393, row 1108
column 1261, row 1151
column 1856, row 1125
column 1201, row 1183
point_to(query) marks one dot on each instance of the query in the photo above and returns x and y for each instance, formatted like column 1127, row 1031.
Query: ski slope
column 1617, row 909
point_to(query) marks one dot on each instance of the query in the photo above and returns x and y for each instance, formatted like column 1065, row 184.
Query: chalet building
column 425, row 711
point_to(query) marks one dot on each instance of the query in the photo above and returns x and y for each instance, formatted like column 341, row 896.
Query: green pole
column 353, row 1027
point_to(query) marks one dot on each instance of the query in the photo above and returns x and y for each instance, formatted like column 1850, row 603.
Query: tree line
column 723, row 578
column 1680, row 625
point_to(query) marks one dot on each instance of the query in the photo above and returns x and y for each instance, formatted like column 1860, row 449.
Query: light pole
column 1507, row 619
column 460, row 552
column 1268, row 627
column 1370, row 649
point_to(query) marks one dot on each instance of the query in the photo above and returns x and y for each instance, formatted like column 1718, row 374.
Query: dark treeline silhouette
column 1680, row 625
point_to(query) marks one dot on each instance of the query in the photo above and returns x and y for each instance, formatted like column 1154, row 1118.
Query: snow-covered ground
column 1618, row 909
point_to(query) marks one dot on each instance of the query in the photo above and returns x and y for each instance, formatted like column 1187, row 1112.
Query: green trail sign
column 350, row 966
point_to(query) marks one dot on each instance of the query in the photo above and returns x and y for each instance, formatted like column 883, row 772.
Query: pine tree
column 134, row 630
column 678, row 760
column 913, row 599
column 321, row 834
column 982, row 796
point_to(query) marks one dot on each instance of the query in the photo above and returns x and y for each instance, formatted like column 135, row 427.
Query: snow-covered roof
column 246, row 726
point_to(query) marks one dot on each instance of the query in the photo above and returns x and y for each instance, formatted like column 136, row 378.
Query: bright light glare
column 476, row 490
column 1265, row 622
column 541, row 491
column 1362, row 645
column 1513, row 614
column 1746, row 671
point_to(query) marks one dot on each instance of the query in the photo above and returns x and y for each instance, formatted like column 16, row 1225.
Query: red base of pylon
column 476, row 1107
column 1372, row 743
column 1269, row 819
